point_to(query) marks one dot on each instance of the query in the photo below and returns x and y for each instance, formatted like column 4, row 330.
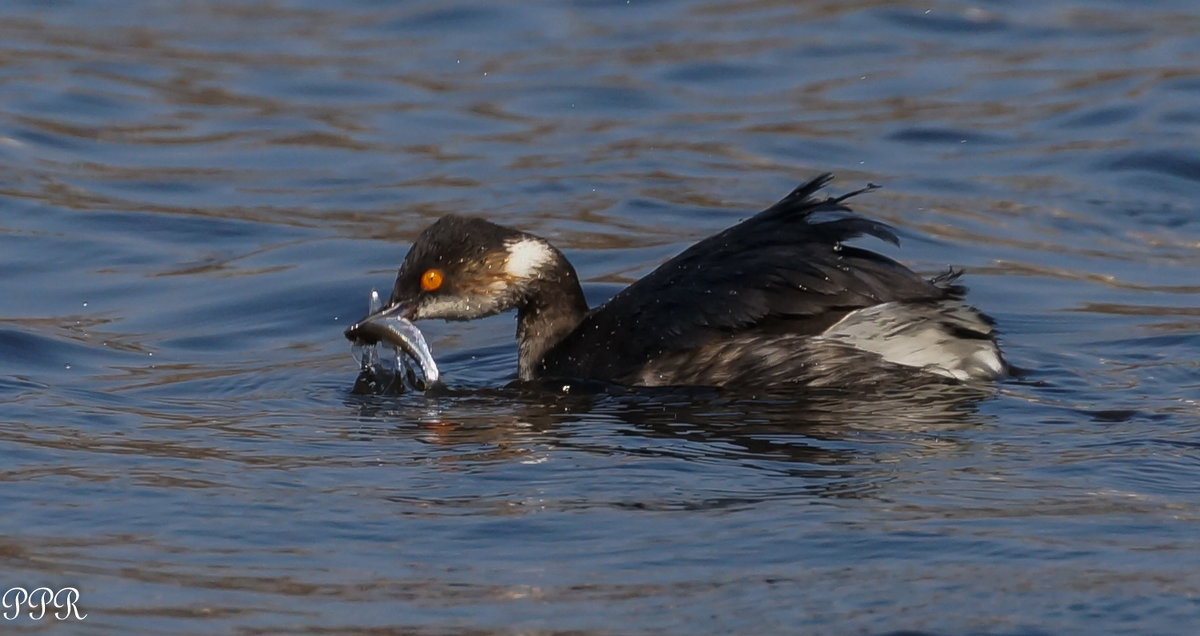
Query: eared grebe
column 777, row 299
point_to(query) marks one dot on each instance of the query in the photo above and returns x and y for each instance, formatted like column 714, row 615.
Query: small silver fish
column 398, row 332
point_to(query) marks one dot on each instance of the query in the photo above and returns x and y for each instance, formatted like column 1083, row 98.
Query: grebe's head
column 463, row 268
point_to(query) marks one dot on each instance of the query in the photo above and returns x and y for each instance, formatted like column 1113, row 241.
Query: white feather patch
column 526, row 257
column 920, row 335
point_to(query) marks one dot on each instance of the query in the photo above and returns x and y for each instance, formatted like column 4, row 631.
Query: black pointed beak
column 362, row 332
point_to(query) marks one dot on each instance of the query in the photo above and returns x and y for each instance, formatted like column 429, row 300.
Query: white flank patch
column 526, row 257
column 917, row 335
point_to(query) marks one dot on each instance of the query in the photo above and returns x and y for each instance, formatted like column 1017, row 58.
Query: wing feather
column 785, row 267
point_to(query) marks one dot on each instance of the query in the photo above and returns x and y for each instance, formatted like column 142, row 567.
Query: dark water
column 195, row 199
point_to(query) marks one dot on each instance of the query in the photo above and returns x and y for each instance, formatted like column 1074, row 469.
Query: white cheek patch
column 526, row 257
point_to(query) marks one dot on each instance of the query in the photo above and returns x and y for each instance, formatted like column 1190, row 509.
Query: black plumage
column 777, row 299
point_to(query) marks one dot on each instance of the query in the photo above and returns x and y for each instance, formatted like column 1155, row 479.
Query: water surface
column 195, row 199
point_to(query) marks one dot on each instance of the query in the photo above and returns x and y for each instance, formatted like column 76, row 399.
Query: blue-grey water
column 196, row 198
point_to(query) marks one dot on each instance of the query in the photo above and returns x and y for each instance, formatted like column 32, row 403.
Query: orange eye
column 431, row 279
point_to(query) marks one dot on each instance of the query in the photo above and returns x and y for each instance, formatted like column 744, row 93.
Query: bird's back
column 755, row 304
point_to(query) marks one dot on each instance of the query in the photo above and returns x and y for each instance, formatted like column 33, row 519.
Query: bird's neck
column 553, row 307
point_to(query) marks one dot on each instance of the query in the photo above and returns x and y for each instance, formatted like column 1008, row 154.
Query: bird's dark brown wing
column 784, row 270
